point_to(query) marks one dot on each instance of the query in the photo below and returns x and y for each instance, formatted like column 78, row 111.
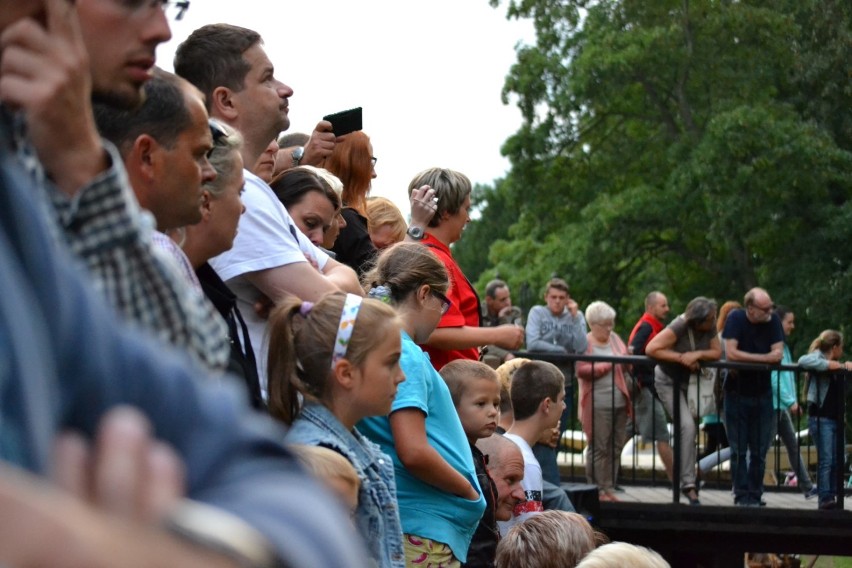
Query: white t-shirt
column 266, row 238
column 532, row 483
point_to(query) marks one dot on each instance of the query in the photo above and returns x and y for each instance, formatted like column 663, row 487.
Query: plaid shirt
column 105, row 227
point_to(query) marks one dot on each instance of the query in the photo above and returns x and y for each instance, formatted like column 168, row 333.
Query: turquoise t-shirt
column 425, row 510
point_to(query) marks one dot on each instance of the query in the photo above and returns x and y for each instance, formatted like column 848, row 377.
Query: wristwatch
column 297, row 154
column 416, row 233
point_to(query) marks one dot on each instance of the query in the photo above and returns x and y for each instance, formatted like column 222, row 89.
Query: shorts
column 650, row 417
column 420, row 551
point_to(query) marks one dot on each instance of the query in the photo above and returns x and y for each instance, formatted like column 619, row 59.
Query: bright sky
column 427, row 74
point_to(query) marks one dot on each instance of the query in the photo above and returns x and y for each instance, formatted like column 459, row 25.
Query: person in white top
column 538, row 399
column 270, row 258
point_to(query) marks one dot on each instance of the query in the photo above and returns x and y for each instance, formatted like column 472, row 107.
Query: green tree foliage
column 697, row 147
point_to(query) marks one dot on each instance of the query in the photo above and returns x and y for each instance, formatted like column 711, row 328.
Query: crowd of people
column 219, row 351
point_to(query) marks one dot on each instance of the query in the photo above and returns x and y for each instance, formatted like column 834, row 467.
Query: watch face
column 415, row 232
column 297, row 154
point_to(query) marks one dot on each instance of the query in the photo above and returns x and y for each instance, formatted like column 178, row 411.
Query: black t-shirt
column 644, row 373
column 483, row 546
column 353, row 246
column 752, row 338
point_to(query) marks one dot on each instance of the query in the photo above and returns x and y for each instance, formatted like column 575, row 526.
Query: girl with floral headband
column 342, row 356
column 440, row 501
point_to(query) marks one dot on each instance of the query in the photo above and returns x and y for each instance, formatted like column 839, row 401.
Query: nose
column 341, row 222
column 373, row 173
column 284, row 91
column 400, row 377
column 208, row 172
column 242, row 207
column 518, row 492
column 156, row 30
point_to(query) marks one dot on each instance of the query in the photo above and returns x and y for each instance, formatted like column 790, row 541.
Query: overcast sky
column 427, row 74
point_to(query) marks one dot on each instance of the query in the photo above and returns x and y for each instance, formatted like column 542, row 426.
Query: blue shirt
column 751, row 338
column 426, row 511
column 377, row 516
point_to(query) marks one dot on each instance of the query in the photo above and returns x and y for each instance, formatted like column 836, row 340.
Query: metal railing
column 633, row 471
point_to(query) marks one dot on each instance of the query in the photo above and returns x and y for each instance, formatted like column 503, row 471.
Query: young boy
column 538, row 399
column 475, row 390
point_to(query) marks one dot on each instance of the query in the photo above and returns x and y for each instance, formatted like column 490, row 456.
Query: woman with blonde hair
column 385, row 222
column 825, row 403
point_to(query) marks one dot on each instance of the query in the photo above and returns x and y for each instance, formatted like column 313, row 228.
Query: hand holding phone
column 345, row 121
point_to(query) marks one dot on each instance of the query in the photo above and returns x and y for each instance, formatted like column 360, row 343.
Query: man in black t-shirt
column 752, row 335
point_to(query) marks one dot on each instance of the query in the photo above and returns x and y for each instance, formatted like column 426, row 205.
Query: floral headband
column 345, row 327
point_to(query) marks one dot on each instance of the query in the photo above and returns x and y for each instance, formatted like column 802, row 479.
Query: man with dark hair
column 648, row 410
column 106, row 54
column 164, row 144
column 752, row 335
column 538, row 399
column 498, row 310
column 557, row 327
column 68, row 363
column 270, row 258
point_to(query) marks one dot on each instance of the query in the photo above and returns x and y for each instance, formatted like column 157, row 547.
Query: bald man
column 752, row 334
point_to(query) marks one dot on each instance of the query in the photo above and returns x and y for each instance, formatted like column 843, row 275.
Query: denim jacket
column 818, row 383
column 377, row 516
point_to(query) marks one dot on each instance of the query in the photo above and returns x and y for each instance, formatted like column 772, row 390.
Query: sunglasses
column 445, row 302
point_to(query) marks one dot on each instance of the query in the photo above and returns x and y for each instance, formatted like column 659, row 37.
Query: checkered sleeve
column 105, row 227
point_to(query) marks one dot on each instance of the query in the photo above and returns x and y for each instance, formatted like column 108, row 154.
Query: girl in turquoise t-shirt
column 440, row 501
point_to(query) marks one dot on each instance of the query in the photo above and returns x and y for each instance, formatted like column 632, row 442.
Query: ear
column 545, row 406
column 222, row 104
column 344, row 374
column 207, row 205
column 423, row 293
column 144, row 155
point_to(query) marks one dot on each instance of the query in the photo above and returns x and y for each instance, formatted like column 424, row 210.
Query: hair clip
column 380, row 293
column 305, row 309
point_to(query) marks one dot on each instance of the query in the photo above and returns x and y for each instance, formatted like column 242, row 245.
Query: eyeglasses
column 604, row 324
column 172, row 8
column 219, row 134
column 765, row 310
column 217, row 130
column 445, row 302
column 373, row 160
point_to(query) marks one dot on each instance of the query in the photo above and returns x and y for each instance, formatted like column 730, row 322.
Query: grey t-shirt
column 683, row 344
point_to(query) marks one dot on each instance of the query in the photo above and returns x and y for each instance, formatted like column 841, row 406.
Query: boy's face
column 479, row 407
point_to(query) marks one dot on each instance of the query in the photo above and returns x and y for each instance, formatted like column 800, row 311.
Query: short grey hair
column 551, row 539
column 451, row 189
column 599, row 311
column 698, row 310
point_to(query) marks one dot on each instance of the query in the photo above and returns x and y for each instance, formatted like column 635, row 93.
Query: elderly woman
column 690, row 338
column 604, row 400
column 459, row 334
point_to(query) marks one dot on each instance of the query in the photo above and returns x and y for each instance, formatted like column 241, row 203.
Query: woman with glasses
column 679, row 348
column 459, row 334
column 440, row 501
column 604, row 400
column 353, row 162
